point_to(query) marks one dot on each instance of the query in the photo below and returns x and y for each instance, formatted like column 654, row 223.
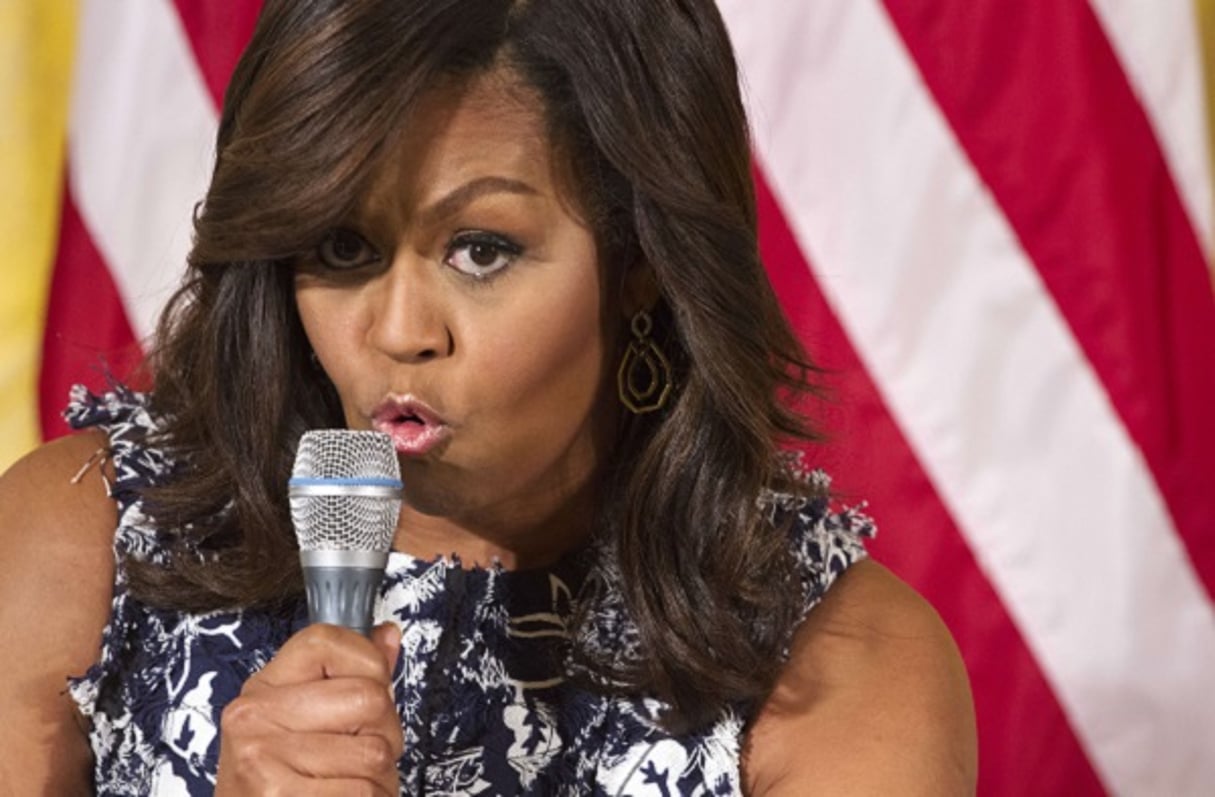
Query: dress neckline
column 571, row 568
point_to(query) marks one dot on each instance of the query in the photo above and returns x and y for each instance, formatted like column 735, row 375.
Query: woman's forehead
column 489, row 126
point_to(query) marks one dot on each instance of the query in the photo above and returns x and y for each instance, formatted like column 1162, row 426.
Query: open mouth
column 415, row 429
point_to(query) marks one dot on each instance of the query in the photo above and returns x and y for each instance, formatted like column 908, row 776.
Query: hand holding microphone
column 320, row 717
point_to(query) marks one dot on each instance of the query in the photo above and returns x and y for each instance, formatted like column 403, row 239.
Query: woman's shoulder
column 55, row 505
column 874, row 699
column 57, row 525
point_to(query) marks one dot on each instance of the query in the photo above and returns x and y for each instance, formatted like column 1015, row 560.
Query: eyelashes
column 345, row 250
column 477, row 254
column 481, row 255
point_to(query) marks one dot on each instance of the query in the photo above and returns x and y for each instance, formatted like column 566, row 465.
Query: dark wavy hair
column 642, row 100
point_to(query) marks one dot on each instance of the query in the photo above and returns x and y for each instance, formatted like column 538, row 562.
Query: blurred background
column 991, row 221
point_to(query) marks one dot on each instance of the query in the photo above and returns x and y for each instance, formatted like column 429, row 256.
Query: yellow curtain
column 36, row 43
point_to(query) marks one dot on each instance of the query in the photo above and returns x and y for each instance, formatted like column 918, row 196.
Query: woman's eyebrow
column 466, row 193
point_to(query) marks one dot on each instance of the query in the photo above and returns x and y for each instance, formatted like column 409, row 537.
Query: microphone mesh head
column 343, row 460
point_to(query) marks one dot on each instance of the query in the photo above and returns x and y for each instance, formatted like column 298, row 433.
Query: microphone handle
column 342, row 586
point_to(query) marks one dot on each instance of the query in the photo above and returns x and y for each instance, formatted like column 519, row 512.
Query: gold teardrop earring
column 644, row 378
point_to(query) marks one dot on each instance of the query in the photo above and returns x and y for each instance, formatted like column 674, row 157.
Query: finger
column 270, row 775
column 255, row 752
column 332, row 705
column 325, row 651
column 387, row 637
column 338, row 755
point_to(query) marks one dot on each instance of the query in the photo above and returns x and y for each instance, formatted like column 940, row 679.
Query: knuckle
column 251, row 753
column 369, row 698
column 245, row 756
column 318, row 636
column 383, row 675
column 238, row 715
column 375, row 753
column 396, row 742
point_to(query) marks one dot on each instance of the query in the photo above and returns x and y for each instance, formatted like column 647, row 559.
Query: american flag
column 991, row 221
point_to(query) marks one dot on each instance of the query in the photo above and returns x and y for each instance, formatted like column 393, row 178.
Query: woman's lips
column 415, row 428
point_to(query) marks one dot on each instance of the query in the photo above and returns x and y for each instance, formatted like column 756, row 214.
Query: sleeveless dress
column 480, row 685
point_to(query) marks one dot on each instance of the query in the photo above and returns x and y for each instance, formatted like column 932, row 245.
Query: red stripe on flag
column 218, row 32
column 1026, row 743
column 1040, row 103
column 87, row 336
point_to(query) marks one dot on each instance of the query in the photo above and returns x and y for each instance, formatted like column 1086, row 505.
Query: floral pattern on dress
column 480, row 685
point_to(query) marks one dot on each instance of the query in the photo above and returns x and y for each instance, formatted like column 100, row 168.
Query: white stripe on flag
column 141, row 146
column 1160, row 50
column 989, row 385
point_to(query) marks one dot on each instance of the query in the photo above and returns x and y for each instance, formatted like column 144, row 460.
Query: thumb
column 387, row 639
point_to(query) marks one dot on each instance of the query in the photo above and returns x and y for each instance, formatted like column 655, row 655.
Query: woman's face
column 460, row 311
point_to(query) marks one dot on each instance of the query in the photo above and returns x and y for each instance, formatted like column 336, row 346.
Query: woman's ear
column 640, row 289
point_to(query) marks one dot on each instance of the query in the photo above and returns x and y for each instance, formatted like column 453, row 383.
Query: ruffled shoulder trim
column 826, row 539
column 124, row 416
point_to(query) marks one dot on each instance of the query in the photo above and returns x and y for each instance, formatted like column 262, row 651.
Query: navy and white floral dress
column 479, row 685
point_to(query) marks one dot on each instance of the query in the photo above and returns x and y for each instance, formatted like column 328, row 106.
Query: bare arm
column 56, row 577
column 874, row 700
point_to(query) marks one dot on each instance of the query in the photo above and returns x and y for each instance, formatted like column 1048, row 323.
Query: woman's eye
column 481, row 254
column 345, row 249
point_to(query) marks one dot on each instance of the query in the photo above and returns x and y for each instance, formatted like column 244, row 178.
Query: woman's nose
column 408, row 321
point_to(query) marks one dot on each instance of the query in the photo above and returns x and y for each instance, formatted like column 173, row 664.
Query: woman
column 519, row 237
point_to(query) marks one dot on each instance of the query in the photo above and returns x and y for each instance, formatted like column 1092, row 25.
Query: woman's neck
column 516, row 540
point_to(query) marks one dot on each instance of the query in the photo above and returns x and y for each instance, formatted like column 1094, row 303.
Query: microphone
column 345, row 495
